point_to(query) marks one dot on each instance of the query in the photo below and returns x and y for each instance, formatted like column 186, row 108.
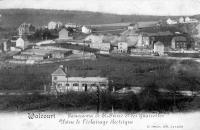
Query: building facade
column 86, row 30
column 62, row 82
column 159, row 48
column 122, row 47
column 20, row 43
column 179, row 42
column 170, row 21
column 64, row 34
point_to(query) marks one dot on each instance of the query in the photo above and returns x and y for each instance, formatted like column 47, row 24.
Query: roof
column 94, row 79
column 59, row 71
column 159, row 43
column 180, row 38
column 63, row 30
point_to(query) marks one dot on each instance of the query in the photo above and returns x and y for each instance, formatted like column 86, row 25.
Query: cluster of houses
column 141, row 38
column 181, row 20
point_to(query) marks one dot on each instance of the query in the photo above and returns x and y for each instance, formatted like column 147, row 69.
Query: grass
column 122, row 71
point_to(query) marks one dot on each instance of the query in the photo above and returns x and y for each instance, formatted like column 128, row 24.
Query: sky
column 145, row 7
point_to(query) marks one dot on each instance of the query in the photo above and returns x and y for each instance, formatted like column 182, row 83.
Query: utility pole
column 84, row 54
column 98, row 98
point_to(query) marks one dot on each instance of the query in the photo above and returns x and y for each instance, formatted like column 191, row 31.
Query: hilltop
column 12, row 18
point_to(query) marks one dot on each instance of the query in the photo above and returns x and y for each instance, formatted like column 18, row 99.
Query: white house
column 170, row 21
column 159, row 48
column 52, row 25
column 86, row 30
column 122, row 47
column 190, row 20
column 62, row 82
column 20, row 43
column 95, row 38
column 181, row 20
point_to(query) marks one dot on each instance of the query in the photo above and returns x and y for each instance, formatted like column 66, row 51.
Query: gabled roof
column 63, row 30
column 60, row 72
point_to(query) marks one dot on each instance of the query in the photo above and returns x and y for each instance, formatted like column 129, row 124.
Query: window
column 75, row 84
column 55, row 78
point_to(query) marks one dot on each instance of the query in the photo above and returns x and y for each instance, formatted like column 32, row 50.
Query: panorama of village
column 125, row 66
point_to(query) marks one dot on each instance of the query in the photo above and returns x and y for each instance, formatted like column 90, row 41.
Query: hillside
column 14, row 17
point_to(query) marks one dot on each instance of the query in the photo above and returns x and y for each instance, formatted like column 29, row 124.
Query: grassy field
column 121, row 71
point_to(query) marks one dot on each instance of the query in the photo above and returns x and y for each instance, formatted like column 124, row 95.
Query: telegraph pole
column 84, row 54
column 98, row 99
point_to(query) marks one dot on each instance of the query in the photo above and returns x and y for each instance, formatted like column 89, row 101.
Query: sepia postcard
column 99, row 64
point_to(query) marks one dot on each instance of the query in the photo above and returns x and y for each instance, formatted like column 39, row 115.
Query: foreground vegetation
column 148, row 100
column 149, row 73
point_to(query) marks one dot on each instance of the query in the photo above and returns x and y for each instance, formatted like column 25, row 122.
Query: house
column 52, row 25
column 122, row 47
column 64, row 34
column 143, row 40
column 62, row 82
column 170, row 21
column 179, row 42
column 159, row 48
column 59, row 24
column 26, row 29
column 181, row 20
column 86, row 30
column 20, row 43
column 95, row 38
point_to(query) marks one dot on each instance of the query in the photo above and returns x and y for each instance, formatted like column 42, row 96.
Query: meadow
column 122, row 71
